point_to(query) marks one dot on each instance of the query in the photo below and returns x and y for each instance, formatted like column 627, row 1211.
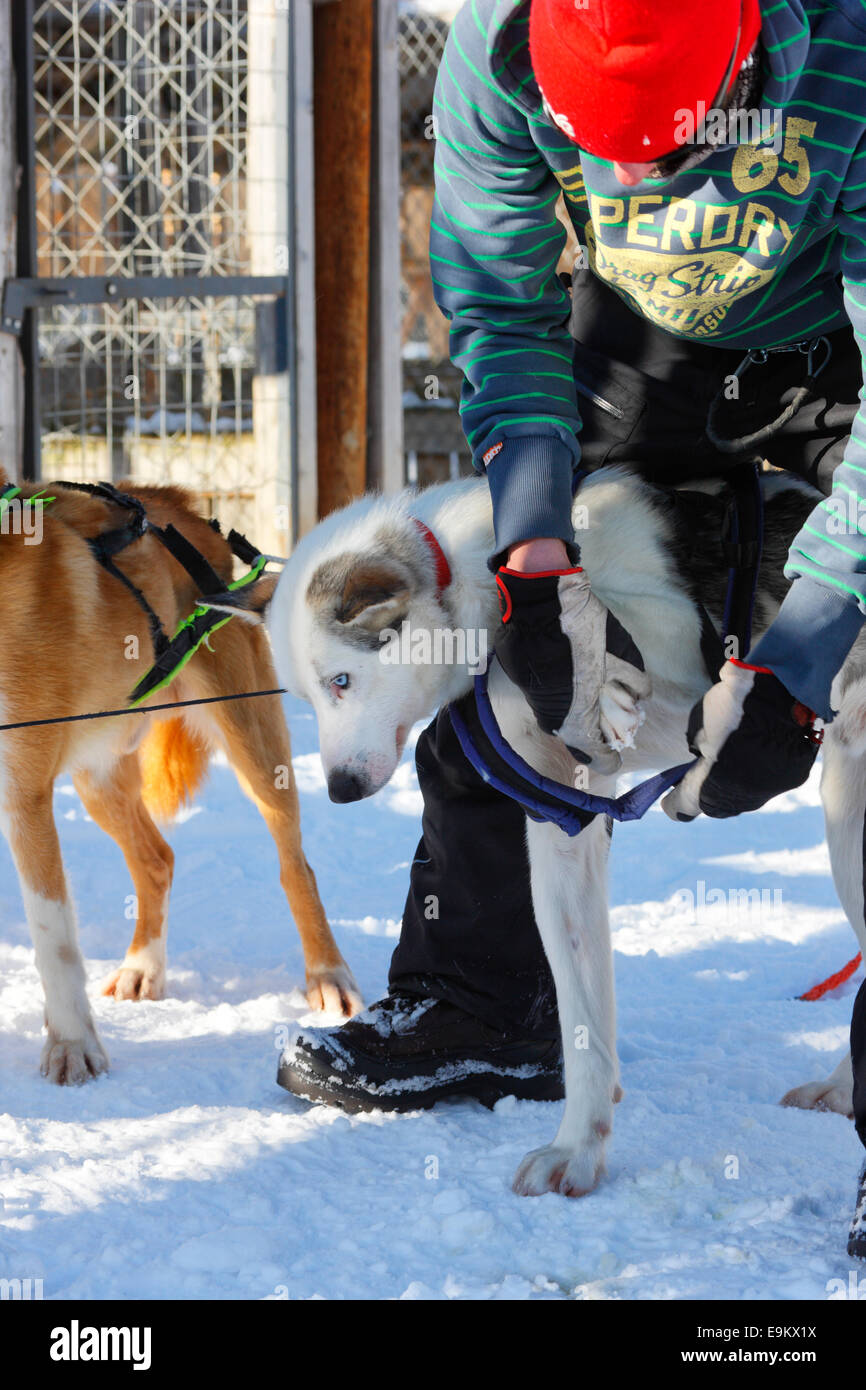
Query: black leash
column 115, row 713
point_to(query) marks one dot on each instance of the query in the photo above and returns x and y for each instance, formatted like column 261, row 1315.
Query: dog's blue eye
column 341, row 681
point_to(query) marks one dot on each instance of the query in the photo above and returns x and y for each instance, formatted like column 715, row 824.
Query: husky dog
column 70, row 635
column 651, row 557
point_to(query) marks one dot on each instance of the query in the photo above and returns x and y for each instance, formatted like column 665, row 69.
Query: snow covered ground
column 187, row 1172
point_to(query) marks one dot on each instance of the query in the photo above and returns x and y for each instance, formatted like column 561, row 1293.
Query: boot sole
column 317, row 1084
column 857, row 1247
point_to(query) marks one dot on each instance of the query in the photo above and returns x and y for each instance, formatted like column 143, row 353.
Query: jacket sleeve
column 494, row 245
column 825, row 608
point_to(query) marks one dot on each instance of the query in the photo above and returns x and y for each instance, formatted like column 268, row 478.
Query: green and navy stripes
column 800, row 234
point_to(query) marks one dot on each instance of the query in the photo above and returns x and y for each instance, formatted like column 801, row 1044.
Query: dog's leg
column 569, row 898
column 843, row 792
column 73, row 1051
column 569, row 895
column 256, row 741
column 115, row 804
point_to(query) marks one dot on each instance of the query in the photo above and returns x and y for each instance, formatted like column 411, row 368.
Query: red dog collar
column 443, row 569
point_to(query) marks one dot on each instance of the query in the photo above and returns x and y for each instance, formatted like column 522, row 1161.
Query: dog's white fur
column 362, row 727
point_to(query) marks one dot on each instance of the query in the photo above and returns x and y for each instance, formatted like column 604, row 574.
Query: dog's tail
column 174, row 762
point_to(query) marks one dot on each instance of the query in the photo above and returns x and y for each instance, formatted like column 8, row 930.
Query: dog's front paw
column 72, row 1061
column 137, row 980
column 332, row 990
column 620, row 715
column 571, row 1172
column 822, row 1095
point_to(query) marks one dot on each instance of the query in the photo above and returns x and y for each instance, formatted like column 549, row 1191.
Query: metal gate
column 154, row 312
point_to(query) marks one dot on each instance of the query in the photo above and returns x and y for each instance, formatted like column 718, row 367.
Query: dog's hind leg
column 843, row 792
column 256, row 741
column 73, row 1051
column 116, row 805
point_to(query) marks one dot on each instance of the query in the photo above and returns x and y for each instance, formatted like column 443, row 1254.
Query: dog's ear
column 249, row 602
column 374, row 596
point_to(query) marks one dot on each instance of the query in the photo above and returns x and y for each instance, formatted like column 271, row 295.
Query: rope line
column 148, row 709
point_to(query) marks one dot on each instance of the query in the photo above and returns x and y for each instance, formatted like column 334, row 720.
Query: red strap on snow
column 833, row 981
column 443, row 569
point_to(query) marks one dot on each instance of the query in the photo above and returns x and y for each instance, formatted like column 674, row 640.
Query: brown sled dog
column 67, row 632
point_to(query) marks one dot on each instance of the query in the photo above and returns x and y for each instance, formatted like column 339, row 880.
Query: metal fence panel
column 142, row 130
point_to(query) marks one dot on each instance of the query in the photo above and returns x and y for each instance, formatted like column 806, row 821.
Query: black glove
column 579, row 670
column 754, row 741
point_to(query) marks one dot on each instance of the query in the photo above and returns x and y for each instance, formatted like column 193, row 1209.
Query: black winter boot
column 857, row 1233
column 406, row 1052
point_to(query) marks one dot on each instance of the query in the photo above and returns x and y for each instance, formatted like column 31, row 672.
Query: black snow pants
column 469, row 934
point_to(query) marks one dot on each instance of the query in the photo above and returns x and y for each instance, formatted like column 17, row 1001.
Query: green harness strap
column 10, row 492
column 188, row 637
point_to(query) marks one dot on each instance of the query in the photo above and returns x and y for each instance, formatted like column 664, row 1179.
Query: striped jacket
column 762, row 244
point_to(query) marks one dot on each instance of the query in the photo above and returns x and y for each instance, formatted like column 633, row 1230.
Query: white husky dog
column 369, row 569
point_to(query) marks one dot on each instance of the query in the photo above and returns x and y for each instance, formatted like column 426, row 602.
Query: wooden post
column 305, row 484
column 385, row 468
column 10, row 358
column 268, row 203
column 343, row 86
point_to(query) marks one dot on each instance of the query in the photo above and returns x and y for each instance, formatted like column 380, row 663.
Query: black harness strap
column 169, row 652
column 157, row 631
column 742, row 545
column 712, row 646
column 197, row 567
column 245, row 551
column 741, row 541
column 110, row 543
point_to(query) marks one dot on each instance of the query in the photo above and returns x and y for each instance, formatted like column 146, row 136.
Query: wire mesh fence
column 141, row 132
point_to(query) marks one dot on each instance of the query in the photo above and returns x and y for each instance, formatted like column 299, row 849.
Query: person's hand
column 578, row 668
column 753, row 739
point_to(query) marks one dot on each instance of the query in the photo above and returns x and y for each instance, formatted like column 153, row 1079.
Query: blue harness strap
column 557, row 809
column 542, row 798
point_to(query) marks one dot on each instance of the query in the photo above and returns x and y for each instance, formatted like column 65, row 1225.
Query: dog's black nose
column 345, row 786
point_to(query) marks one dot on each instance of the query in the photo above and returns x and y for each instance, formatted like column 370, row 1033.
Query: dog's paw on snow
column 332, row 990
column 570, row 1172
column 136, row 982
column 72, row 1061
column 821, row 1095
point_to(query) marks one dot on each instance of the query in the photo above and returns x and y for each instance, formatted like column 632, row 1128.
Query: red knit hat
column 615, row 72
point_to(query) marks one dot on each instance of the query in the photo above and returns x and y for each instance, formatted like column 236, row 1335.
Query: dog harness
column 171, row 653
column 9, row 493
column 542, row 798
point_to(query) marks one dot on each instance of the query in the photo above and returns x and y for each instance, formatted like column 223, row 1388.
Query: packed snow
column 187, row 1173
